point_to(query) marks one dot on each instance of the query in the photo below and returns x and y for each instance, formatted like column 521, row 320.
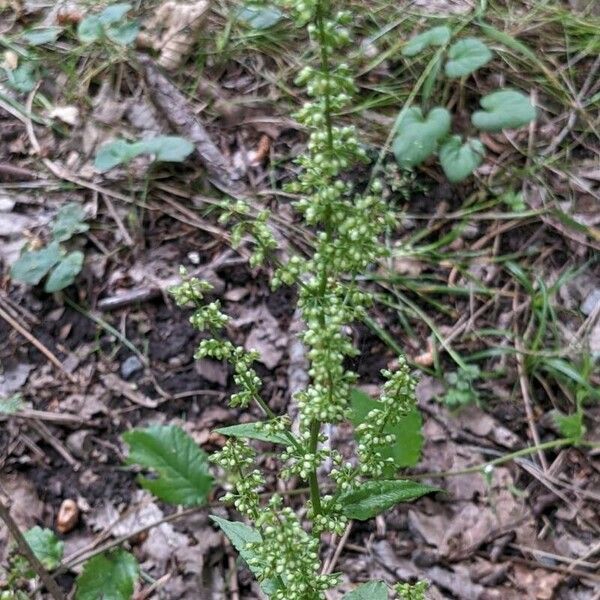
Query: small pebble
column 589, row 304
column 130, row 366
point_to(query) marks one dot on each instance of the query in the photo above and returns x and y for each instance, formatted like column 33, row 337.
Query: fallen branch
column 174, row 106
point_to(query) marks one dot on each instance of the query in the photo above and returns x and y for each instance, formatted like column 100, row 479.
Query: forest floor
column 492, row 290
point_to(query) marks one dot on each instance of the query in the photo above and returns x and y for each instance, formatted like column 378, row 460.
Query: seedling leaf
column 90, row 29
column 253, row 431
column 181, row 468
column 11, row 405
column 260, row 17
column 466, row 56
column 115, row 153
column 41, row 35
column 113, row 14
column 570, row 426
column 69, row 221
column 47, row 548
column 460, row 160
column 373, row 497
column 123, row 33
column 23, row 78
column 436, row 36
column 65, row 272
column 169, row 148
column 418, row 137
column 406, row 450
column 34, row 264
column 504, row 109
column 110, row 576
column 372, row 590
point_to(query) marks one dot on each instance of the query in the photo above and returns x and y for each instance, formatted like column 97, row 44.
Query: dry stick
column 27, row 552
column 35, row 342
column 328, row 568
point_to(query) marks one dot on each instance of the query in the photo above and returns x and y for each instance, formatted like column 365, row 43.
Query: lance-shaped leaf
column 504, row 109
column 436, row 36
column 373, row 497
column 180, row 466
column 372, row 590
column 108, row 576
column 253, row 431
column 418, row 136
column 466, row 56
column 460, row 160
column 240, row 535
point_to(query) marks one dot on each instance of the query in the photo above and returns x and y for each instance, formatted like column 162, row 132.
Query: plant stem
column 27, row 552
column 313, row 481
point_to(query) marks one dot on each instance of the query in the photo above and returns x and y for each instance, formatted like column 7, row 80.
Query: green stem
column 313, row 482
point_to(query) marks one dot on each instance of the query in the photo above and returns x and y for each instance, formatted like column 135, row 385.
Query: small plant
column 167, row 148
column 420, row 135
column 110, row 24
column 460, row 389
column 60, row 266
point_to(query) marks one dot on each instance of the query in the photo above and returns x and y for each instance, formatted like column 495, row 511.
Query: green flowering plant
column 282, row 547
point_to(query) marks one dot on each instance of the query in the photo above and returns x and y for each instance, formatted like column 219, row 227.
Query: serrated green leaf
column 23, row 78
column 32, row 265
column 108, row 576
column 260, row 17
column 417, row 136
column 168, row 148
column 90, row 29
column 460, row 160
column 570, row 426
column 69, row 220
column 436, row 36
column 41, row 35
column 47, row 548
column 504, row 109
column 466, row 56
column 113, row 14
column 372, row 590
column 406, row 450
column 63, row 275
column 253, row 431
column 11, row 405
column 373, row 497
column 240, row 535
column 123, row 33
column 181, row 467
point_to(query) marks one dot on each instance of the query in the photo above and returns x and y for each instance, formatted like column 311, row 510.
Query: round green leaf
column 436, row 36
column 460, row 160
column 41, row 35
column 504, row 109
column 65, row 272
column 34, row 264
column 260, row 17
column 115, row 153
column 23, row 78
column 113, row 14
column 47, row 548
column 69, row 221
column 108, row 576
column 90, row 29
column 466, row 56
column 418, row 137
column 372, row 590
column 169, row 148
column 123, row 33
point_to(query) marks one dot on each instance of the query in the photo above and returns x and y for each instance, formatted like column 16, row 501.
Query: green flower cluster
column 396, row 401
